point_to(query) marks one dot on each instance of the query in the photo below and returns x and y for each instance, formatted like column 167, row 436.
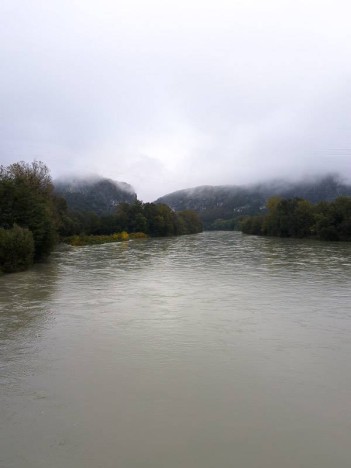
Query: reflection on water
column 208, row 350
column 23, row 298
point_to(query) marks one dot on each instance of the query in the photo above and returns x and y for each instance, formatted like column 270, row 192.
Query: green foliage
column 288, row 218
column 252, row 225
column 152, row 219
column 157, row 219
column 93, row 240
column 40, row 217
column 188, row 222
column 16, row 249
column 35, row 176
column 162, row 221
column 222, row 207
column 299, row 218
column 231, row 224
column 27, row 200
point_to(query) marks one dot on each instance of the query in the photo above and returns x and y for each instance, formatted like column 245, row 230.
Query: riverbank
column 103, row 239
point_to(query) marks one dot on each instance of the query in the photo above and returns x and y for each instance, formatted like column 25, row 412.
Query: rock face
column 220, row 207
column 97, row 195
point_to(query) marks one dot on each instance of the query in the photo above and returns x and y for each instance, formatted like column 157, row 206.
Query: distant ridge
column 94, row 194
column 220, row 207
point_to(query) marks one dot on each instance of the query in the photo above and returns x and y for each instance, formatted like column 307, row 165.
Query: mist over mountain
column 94, row 194
column 220, row 207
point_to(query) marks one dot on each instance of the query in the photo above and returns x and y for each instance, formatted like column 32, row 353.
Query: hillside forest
column 328, row 221
column 223, row 207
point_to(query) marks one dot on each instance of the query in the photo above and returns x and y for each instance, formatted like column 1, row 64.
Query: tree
column 26, row 199
column 299, row 218
column 188, row 222
column 16, row 249
column 35, row 176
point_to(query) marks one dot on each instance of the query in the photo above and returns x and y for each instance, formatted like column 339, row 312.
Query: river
column 215, row 350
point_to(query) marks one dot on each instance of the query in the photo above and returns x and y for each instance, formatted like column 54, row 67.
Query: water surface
column 212, row 350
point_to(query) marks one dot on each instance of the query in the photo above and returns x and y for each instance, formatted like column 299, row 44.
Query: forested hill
column 221, row 207
column 97, row 195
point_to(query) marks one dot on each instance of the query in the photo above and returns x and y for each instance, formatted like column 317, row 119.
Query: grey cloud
column 166, row 95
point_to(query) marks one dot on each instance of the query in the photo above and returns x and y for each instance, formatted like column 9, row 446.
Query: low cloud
column 168, row 95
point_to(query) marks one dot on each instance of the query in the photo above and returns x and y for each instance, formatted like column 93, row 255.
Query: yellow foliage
column 138, row 235
column 102, row 239
column 124, row 236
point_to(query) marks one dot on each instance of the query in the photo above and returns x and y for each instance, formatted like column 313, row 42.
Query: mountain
column 221, row 207
column 97, row 195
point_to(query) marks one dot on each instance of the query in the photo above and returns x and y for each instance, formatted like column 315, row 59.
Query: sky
column 167, row 95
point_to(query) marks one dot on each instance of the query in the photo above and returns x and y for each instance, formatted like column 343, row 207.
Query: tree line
column 296, row 217
column 33, row 219
column 155, row 220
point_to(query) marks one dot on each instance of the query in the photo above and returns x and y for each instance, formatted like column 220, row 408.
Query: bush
column 329, row 234
column 16, row 249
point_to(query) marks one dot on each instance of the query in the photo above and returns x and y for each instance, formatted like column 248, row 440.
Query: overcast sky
column 172, row 94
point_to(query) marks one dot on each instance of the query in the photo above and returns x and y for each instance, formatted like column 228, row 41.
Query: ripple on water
column 196, row 351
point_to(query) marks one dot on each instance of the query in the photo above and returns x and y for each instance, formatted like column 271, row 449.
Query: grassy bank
column 94, row 240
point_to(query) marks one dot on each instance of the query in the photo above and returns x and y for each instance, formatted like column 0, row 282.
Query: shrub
column 16, row 249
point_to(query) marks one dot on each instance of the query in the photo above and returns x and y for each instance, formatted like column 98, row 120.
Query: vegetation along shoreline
column 34, row 217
